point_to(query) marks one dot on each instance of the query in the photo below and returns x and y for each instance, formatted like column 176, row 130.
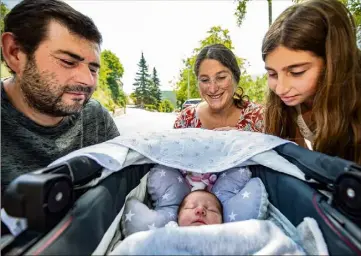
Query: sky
column 168, row 31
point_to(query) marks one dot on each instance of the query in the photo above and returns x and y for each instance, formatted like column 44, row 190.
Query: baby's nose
column 200, row 211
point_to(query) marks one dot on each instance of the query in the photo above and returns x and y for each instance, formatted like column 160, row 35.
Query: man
column 53, row 52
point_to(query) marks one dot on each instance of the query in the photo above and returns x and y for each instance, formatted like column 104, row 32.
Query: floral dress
column 251, row 119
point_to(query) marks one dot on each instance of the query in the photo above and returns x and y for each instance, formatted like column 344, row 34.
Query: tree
column 4, row 11
column 155, row 89
column 241, row 11
column 214, row 35
column 109, row 92
column 113, row 71
column 255, row 89
column 142, row 83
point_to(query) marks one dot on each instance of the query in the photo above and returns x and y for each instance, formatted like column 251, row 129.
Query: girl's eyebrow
column 296, row 65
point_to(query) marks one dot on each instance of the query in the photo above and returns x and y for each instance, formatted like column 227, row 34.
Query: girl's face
column 293, row 75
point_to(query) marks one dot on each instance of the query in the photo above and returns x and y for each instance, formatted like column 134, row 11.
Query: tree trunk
column 269, row 12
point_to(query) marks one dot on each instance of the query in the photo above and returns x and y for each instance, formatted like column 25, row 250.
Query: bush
column 165, row 106
column 150, row 107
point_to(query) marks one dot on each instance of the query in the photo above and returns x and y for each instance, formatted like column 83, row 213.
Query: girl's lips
column 288, row 99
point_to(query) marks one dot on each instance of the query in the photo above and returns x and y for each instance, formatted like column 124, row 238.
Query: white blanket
column 191, row 149
column 252, row 237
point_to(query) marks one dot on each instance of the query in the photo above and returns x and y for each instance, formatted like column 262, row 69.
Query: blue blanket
column 238, row 238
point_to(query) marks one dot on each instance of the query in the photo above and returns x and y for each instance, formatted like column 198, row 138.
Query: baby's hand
column 226, row 128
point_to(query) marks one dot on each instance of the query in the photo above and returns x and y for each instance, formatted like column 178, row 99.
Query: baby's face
column 200, row 208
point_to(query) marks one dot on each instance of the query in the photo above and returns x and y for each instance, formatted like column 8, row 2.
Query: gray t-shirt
column 27, row 146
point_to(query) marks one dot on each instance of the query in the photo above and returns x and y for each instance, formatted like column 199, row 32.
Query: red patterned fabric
column 251, row 118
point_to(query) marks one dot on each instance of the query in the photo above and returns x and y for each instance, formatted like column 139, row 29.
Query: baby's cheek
column 184, row 219
column 216, row 219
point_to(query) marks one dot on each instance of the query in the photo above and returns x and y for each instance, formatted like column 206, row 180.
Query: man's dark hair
column 29, row 20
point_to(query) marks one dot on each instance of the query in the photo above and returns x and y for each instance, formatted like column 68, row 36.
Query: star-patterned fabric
column 167, row 188
column 242, row 197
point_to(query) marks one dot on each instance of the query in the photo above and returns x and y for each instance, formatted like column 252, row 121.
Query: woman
column 313, row 65
column 224, row 106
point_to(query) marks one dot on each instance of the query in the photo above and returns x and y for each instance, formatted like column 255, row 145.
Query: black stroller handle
column 43, row 197
column 318, row 166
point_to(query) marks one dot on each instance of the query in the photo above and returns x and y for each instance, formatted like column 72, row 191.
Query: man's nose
column 283, row 86
column 84, row 75
column 200, row 211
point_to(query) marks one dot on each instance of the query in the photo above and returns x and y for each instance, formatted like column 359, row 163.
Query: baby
column 199, row 207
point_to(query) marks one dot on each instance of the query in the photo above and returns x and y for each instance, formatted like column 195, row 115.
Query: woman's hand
column 226, row 128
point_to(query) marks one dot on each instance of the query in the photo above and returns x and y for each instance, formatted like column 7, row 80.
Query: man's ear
column 12, row 53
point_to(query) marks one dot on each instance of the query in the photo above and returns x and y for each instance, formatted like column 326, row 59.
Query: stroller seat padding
column 166, row 187
column 242, row 197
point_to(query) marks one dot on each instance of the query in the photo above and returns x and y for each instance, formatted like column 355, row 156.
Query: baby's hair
column 220, row 206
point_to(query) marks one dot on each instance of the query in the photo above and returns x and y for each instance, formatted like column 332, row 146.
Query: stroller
column 74, row 206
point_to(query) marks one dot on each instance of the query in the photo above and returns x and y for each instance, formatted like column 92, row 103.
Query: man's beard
column 43, row 92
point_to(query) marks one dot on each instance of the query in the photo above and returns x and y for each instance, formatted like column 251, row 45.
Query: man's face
column 62, row 74
column 200, row 208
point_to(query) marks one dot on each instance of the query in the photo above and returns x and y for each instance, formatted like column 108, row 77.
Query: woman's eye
column 298, row 73
column 204, row 80
column 221, row 78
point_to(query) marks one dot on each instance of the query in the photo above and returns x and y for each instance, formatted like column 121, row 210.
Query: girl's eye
column 272, row 74
column 298, row 73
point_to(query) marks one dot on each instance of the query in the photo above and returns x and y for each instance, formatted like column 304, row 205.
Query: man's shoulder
column 94, row 108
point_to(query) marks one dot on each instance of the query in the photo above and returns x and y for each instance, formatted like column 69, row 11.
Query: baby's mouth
column 199, row 222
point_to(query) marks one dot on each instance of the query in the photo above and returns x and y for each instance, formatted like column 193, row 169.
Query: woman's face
column 216, row 84
column 293, row 75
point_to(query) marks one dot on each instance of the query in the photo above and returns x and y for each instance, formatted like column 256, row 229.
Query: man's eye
column 204, row 80
column 95, row 71
column 68, row 63
column 298, row 73
column 221, row 78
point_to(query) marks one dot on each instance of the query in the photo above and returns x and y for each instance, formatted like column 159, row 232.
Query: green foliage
column 255, row 89
column 142, row 83
column 112, row 73
column 155, row 88
column 165, row 106
column 109, row 92
column 4, row 11
column 147, row 87
column 214, row 35
column 241, row 11
column 150, row 107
